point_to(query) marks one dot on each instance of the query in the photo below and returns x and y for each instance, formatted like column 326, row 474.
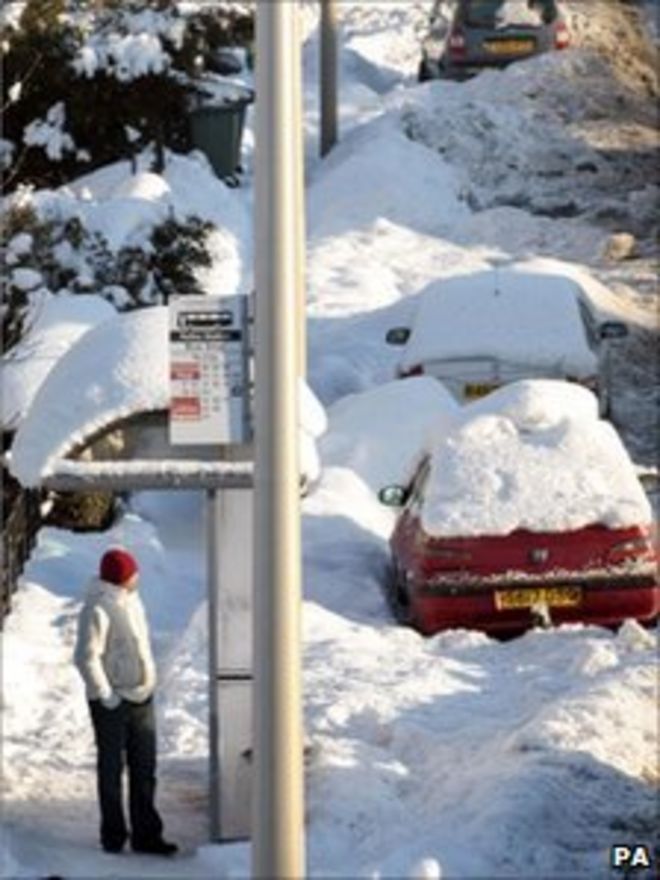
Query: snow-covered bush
column 86, row 83
column 61, row 256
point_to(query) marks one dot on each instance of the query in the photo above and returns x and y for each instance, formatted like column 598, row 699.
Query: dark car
column 466, row 36
column 529, row 512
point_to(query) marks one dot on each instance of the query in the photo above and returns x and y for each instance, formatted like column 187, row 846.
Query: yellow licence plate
column 509, row 47
column 477, row 389
column 553, row 597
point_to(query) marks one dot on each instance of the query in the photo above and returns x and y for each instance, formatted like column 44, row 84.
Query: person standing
column 113, row 655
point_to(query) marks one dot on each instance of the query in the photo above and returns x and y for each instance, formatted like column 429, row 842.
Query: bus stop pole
column 328, row 75
column 278, row 831
column 214, row 712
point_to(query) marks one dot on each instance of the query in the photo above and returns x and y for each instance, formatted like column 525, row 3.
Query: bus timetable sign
column 209, row 379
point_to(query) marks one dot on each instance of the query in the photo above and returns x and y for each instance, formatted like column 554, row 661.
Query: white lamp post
column 278, row 813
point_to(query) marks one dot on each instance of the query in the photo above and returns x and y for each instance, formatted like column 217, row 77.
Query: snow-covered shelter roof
column 505, row 313
column 56, row 324
column 117, row 370
column 530, row 466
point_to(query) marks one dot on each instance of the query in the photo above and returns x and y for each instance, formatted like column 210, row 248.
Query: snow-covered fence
column 21, row 522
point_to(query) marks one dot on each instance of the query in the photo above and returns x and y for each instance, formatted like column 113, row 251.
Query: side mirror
column 612, row 330
column 650, row 481
column 393, row 496
column 397, row 336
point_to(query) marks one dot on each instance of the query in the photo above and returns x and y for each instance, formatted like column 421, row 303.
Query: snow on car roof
column 116, row 370
column 533, row 403
column 514, row 469
column 507, row 314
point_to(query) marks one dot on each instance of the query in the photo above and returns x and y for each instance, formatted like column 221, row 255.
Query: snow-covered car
column 466, row 36
column 479, row 331
column 529, row 511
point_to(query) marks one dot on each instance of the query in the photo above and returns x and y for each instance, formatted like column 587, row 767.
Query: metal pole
column 301, row 234
column 278, row 832
column 328, row 75
column 212, row 575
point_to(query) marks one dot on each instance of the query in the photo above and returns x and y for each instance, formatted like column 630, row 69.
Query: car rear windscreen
column 491, row 13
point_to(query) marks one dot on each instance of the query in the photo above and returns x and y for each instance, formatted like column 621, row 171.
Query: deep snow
column 456, row 755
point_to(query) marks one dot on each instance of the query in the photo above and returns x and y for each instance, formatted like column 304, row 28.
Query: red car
column 483, row 540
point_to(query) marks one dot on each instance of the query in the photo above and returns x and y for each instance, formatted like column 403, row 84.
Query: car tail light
column 562, row 36
column 634, row 548
column 457, row 43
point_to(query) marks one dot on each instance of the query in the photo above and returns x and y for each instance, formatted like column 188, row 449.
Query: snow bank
column 378, row 264
column 57, row 324
column 380, row 211
column 521, row 235
column 381, row 41
column 531, row 458
column 313, row 417
column 345, row 550
column 507, row 314
column 380, row 432
column 378, row 173
column 442, row 760
column 313, row 423
column 379, row 46
column 531, row 136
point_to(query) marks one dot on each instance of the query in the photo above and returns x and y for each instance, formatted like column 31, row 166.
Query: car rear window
column 490, row 13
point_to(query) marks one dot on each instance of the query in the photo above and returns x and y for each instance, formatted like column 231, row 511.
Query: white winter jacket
column 113, row 652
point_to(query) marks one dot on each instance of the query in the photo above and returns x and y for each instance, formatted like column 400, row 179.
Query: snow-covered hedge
column 87, row 83
column 55, row 253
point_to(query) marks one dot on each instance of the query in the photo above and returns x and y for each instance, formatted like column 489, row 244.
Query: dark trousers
column 126, row 736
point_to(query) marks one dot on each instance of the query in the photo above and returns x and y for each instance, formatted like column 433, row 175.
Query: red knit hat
column 117, row 566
